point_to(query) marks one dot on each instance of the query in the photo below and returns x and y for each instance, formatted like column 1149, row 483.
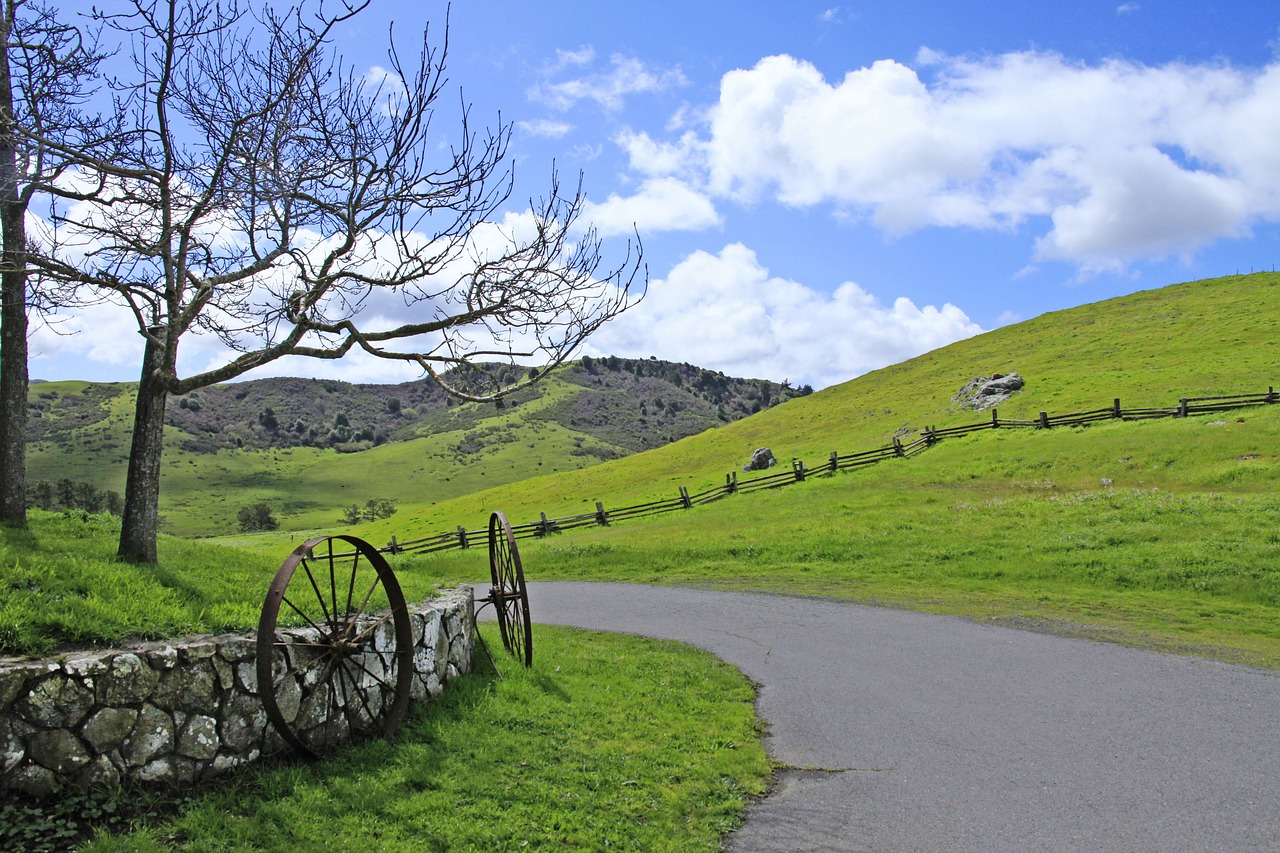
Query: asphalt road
column 906, row 731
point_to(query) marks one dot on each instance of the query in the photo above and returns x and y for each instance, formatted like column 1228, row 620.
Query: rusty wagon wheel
column 335, row 649
column 509, row 594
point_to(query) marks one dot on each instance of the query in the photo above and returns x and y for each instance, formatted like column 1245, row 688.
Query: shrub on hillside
column 256, row 517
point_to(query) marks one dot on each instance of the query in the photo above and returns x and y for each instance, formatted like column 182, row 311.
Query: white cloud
column 661, row 204
column 726, row 312
column 1142, row 203
column 545, row 128
column 650, row 157
column 1127, row 8
column 1117, row 160
column 625, row 76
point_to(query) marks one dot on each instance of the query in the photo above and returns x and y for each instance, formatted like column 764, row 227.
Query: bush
column 372, row 511
column 256, row 517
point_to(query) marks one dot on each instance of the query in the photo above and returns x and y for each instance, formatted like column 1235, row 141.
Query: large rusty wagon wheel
column 509, row 594
column 335, row 650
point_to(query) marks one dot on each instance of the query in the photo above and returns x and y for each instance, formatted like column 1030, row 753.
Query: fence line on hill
column 929, row 436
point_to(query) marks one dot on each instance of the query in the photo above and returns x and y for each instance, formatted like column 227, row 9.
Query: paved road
column 918, row 732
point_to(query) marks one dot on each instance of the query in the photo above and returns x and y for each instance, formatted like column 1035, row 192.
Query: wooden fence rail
column 929, row 436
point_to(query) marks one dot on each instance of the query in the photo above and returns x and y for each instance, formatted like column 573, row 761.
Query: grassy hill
column 309, row 448
column 1151, row 348
column 1180, row 551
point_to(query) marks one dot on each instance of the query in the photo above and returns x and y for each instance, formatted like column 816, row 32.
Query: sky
column 822, row 190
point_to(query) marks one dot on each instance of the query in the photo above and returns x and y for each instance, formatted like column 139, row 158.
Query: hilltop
column 310, row 447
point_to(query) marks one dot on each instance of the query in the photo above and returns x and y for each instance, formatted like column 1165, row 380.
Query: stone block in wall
column 130, row 680
column 152, row 735
column 57, row 701
column 107, row 729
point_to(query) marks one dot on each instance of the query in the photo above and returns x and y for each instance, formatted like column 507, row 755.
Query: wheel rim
column 509, row 594
column 334, row 649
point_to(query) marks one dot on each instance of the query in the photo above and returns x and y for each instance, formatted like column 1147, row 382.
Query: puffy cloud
column 684, row 157
column 661, row 204
column 726, row 312
column 1120, row 160
column 1142, row 203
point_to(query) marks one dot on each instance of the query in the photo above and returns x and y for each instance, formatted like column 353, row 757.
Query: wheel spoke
column 373, row 625
column 296, row 670
column 306, row 617
column 306, row 567
column 369, row 672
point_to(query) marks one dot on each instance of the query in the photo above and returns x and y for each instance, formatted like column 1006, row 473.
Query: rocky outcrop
column 174, row 712
column 762, row 459
column 983, row 392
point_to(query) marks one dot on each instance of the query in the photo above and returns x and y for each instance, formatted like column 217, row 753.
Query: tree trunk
column 13, row 313
column 141, row 519
column 13, row 375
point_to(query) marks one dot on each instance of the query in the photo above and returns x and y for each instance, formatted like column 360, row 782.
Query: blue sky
column 826, row 189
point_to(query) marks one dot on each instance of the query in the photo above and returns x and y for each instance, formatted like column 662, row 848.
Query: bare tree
column 45, row 73
column 273, row 196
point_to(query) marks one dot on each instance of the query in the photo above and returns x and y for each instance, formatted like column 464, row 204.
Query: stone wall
column 173, row 712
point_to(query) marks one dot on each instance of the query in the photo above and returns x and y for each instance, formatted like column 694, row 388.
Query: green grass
column 1150, row 349
column 608, row 741
column 63, row 586
column 1181, row 553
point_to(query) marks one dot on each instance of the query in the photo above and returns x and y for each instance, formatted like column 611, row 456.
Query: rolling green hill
column 1180, row 550
column 1149, row 349
column 1159, row 533
column 309, row 448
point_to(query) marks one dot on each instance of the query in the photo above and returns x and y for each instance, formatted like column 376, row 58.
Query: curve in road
column 908, row 731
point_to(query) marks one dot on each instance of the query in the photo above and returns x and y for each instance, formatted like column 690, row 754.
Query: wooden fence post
column 731, row 482
column 462, row 537
column 601, row 517
column 835, row 462
column 797, row 468
column 544, row 526
column 1044, row 420
column 684, row 498
column 995, row 418
column 393, row 547
column 1271, row 394
column 897, row 447
column 1182, row 407
column 1115, row 408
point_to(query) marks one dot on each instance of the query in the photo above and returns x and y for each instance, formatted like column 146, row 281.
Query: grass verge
column 63, row 587
column 607, row 742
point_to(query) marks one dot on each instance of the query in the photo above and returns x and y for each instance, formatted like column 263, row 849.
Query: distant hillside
column 310, row 447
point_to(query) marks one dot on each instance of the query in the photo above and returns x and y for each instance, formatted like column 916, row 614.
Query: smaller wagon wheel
column 335, row 650
column 509, row 594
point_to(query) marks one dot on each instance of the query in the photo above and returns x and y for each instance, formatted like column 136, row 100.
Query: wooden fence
column 929, row 436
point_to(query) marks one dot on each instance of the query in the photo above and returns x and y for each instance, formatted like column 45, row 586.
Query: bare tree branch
column 263, row 190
